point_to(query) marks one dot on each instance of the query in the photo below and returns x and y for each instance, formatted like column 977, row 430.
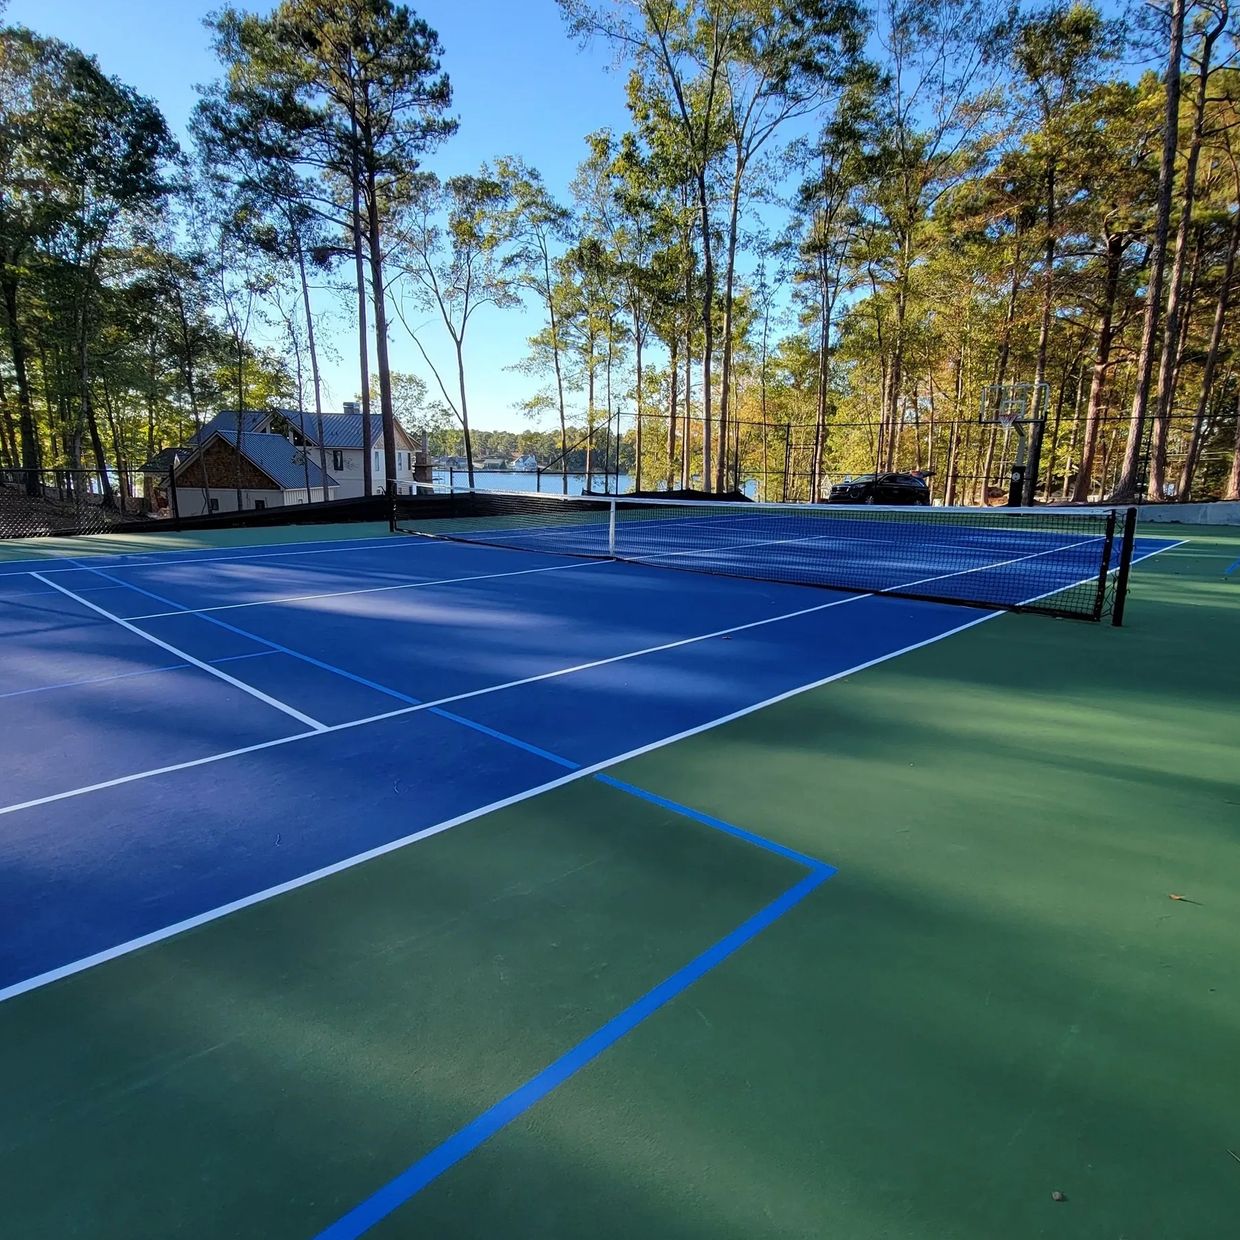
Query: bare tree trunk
column 25, row 410
column 686, row 439
column 1186, row 318
column 637, row 434
column 1102, row 361
column 1033, row 464
column 1171, row 325
column 360, row 273
column 84, row 395
column 8, row 430
column 895, row 381
column 674, row 371
column 1211, row 362
column 554, row 322
column 820, row 420
column 708, row 327
column 917, row 463
column 191, row 390
column 982, row 484
column 766, row 325
column 314, row 370
column 378, row 295
column 590, row 408
column 1072, row 441
column 953, row 442
column 1059, row 404
column 460, row 378
column 1233, row 481
column 118, row 450
column 728, row 282
column 1127, row 482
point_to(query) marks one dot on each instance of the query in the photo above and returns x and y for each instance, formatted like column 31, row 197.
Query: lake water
column 550, row 483
column 514, row 480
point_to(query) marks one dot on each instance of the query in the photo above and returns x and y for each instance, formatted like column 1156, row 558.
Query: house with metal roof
column 339, row 435
column 225, row 471
column 322, row 458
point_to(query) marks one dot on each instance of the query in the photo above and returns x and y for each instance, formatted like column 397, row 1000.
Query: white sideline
column 189, row 658
column 188, row 555
column 156, row 936
column 409, row 710
column 981, row 568
column 167, row 932
column 511, row 684
column 404, row 585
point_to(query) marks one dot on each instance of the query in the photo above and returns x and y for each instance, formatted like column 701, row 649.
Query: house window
column 337, row 459
column 260, row 503
column 215, row 505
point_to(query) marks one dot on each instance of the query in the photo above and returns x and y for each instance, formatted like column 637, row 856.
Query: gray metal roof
column 252, row 422
column 279, row 460
column 340, row 430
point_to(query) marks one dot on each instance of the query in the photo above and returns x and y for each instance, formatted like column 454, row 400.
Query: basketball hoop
column 1014, row 404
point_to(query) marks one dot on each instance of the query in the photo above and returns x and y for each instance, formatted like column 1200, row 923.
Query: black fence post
column 1127, row 543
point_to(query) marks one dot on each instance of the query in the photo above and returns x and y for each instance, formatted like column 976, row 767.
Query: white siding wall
column 345, row 465
column 192, row 503
column 315, row 496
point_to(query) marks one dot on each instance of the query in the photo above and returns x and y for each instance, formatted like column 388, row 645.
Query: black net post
column 1127, row 542
column 1104, row 569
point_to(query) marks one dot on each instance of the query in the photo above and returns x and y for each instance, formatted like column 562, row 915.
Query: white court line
column 304, row 880
column 420, row 706
column 189, row 555
column 404, row 585
column 189, row 658
column 156, row 936
column 473, row 693
column 982, row 568
column 145, row 671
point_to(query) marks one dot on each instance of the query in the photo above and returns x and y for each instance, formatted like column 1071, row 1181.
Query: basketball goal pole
column 1009, row 405
column 1016, row 483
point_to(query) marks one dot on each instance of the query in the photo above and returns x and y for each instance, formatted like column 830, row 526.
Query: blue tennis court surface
column 350, row 696
column 188, row 734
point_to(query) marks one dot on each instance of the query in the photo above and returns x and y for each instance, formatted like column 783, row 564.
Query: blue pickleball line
column 466, row 1140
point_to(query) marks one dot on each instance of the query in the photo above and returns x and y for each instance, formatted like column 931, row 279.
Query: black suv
column 881, row 489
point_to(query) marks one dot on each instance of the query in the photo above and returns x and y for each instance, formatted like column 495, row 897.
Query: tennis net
column 1057, row 561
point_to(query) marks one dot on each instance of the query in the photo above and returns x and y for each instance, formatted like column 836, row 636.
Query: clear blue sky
column 521, row 86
